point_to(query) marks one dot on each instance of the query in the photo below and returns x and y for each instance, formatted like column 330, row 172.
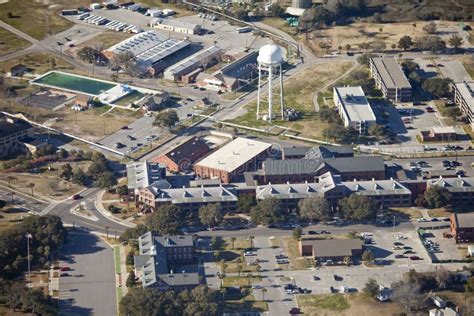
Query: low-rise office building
column 12, row 134
column 462, row 227
column 322, row 151
column 390, row 79
column 182, row 157
column 464, row 97
column 439, row 134
column 188, row 199
column 354, row 108
column 299, row 170
column 160, row 256
column 232, row 160
column 143, row 174
column 460, row 189
column 335, row 250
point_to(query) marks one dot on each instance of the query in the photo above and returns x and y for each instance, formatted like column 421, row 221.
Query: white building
column 177, row 26
column 354, row 108
column 464, row 97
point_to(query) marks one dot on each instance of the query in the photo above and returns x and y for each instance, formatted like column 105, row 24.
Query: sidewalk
column 100, row 207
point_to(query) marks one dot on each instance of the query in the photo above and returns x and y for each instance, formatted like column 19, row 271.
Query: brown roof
column 190, row 151
column 464, row 220
column 333, row 247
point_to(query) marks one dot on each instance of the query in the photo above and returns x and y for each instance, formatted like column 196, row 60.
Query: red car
column 64, row 269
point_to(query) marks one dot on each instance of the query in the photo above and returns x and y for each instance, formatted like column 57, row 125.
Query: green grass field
column 10, row 43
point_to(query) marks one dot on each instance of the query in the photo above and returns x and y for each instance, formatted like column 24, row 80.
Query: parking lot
column 445, row 248
column 137, row 134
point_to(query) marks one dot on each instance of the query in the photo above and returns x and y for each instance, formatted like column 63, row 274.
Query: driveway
column 90, row 287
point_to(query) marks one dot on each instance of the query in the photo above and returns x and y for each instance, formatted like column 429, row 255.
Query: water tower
column 270, row 59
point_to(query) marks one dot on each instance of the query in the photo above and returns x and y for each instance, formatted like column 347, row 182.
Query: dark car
column 76, row 197
column 415, row 258
column 312, row 232
column 295, row 311
column 333, row 290
column 399, row 256
column 64, row 274
column 338, row 277
column 124, row 127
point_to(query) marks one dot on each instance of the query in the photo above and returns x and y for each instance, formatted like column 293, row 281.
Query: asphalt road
column 89, row 289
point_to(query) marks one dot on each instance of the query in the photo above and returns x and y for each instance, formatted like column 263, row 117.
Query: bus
column 244, row 29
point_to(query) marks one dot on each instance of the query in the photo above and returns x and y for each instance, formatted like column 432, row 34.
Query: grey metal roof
column 328, row 151
column 194, row 60
column 454, row 184
column 194, row 195
column 391, row 73
column 296, row 150
column 377, row 187
column 292, row 166
column 356, row 164
column 142, row 174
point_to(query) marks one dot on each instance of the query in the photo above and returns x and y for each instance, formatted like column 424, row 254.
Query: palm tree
column 216, row 255
column 251, row 238
column 10, row 178
column 263, row 293
column 107, row 231
column 239, row 269
column 223, row 265
column 232, row 240
column 258, row 268
column 31, row 186
column 249, row 276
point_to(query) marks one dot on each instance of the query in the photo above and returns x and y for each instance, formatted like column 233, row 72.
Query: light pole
column 28, row 237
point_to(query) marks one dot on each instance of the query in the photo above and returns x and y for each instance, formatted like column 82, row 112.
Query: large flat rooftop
column 391, row 73
column 234, row 154
column 355, row 104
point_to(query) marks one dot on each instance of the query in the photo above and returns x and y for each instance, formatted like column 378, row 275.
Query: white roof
column 270, row 54
column 466, row 90
column 175, row 23
column 443, row 129
column 355, row 104
column 234, row 154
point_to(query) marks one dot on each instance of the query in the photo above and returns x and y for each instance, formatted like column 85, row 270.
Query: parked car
column 76, row 197
column 316, row 278
column 399, row 256
column 312, row 232
column 295, row 311
column 415, row 258
column 64, row 274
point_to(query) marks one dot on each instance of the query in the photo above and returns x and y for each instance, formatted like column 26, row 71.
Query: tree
column 314, row 208
column 62, row 153
column 277, row 10
column 121, row 190
column 66, row 172
column 371, row 287
column 432, row 43
column 368, row 256
column 87, row 54
column 348, row 47
column 166, row 119
column 455, row 41
column 377, row 130
column 31, row 186
column 127, row 62
column 267, row 212
column 131, row 279
column 79, row 177
column 251, row 238
column 443, row 277
column 10, row 179
column 223, row 265
column 437, row 86
column 469, row 285
column 405, row 42
column 264, row 290
column 241, row 14
column 99, row 165
column 407, row 293
column 210, row 214
column 435, row 197
column 410, row 66
column 166, row 220
column 358, row 207
column 297, row 233
column 232, row 241
column 430, row 28
column 130, row 259
column 378, row 46
column 334, row 132
column 245, row 203
column 106, row 180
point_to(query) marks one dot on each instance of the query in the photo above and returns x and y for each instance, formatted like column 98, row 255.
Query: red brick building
column 462, row 227
column 182, row 157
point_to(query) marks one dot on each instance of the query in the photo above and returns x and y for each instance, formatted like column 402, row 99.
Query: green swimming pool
column 74, row 83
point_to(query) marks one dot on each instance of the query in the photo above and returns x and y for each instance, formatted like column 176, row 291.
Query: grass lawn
column 298, row 94
column 235, row 281
column 46, row 185
column 345, row 305
column 105, row 40
column 9, row 42
column 233, row 256
column 469, row 131
column 36, row 62
column 439, row 212
column 411, row 212
column 282, row 25
column 38, row 19
column 243, row 305
column 297, row 262
column 10, row 216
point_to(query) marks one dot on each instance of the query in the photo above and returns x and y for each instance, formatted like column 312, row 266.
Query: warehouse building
column 232, row 160
column 232, row 76
column 464, row 97
column 150, row 49
column 390, row 79
column 354, row 108
column 202, row 59
column 176, row 26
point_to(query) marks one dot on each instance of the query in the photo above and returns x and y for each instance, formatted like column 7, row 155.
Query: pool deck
column 116, row 86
